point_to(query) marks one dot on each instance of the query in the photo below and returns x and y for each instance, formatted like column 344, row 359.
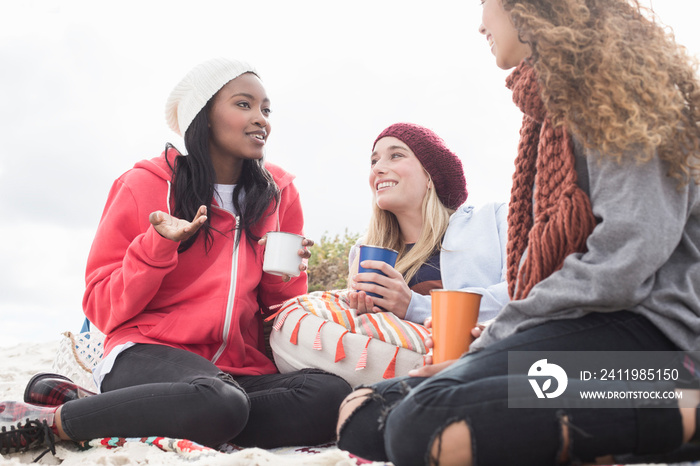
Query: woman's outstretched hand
column 177, row 229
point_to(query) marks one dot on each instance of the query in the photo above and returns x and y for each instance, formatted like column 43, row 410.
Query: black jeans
column 156, row 390
column 403, row 417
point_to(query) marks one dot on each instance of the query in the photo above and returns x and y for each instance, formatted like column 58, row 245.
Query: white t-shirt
column 223, row 193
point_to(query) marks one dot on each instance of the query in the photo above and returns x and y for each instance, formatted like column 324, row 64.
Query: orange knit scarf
column 563, row 217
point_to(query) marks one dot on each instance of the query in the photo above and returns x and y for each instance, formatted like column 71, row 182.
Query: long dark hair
column 193, row 185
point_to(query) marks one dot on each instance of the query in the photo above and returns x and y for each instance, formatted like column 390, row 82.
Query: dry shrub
column 328, row 264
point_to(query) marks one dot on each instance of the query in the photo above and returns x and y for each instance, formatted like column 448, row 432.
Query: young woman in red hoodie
column 180, row 301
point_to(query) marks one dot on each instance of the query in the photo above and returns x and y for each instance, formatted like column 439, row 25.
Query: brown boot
column 46, row 389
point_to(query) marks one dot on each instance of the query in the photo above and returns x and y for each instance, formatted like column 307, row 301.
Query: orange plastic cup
column 454, row 315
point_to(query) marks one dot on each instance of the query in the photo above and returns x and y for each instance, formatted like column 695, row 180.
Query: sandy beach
column 20, row 362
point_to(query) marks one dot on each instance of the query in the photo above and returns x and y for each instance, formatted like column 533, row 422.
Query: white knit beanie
column 197, row 87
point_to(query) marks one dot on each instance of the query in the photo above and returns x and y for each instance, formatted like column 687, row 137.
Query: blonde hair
column 384, row 231
column 615, row 78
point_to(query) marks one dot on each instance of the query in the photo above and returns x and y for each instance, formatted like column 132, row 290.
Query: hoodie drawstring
column 168, row 199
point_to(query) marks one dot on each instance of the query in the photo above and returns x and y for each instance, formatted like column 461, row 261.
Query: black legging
column 155, row 390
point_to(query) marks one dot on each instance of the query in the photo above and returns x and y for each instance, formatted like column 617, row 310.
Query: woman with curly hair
column 603, row 256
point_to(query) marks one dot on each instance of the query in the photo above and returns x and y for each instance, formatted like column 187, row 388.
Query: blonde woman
column 419, row 193
column 603, row 257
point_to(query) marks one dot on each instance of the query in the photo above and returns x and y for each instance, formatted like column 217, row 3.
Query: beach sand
column 19, row 363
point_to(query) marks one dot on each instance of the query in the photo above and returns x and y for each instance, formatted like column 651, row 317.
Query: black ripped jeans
column 402, row 418
column 156, row 390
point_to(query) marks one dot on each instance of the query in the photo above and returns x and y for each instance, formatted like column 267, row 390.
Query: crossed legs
column 462, row 413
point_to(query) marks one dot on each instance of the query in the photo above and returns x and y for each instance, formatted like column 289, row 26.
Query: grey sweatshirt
column 643, row 255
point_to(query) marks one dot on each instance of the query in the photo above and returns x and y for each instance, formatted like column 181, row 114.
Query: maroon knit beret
column 444, row 167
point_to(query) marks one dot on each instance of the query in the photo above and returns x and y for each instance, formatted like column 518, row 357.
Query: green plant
column 328, row 264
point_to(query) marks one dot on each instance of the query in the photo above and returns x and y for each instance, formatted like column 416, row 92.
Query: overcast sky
column 84, row 83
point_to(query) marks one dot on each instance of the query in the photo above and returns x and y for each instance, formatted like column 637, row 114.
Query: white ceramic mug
column 282, row 253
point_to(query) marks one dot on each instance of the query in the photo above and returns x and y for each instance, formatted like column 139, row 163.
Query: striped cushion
column 381, row 345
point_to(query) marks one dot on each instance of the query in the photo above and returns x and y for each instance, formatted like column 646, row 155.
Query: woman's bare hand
column 429, row 368
column 361, row 302
column 176, row 229
column 395, row 293
column 304, row 253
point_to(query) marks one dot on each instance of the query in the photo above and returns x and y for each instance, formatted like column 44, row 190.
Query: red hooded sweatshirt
column 140, row 289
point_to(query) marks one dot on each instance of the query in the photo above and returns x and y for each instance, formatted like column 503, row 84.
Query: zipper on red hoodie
column 231, row 295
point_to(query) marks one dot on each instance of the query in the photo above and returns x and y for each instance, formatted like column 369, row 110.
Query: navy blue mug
column 375, row 253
